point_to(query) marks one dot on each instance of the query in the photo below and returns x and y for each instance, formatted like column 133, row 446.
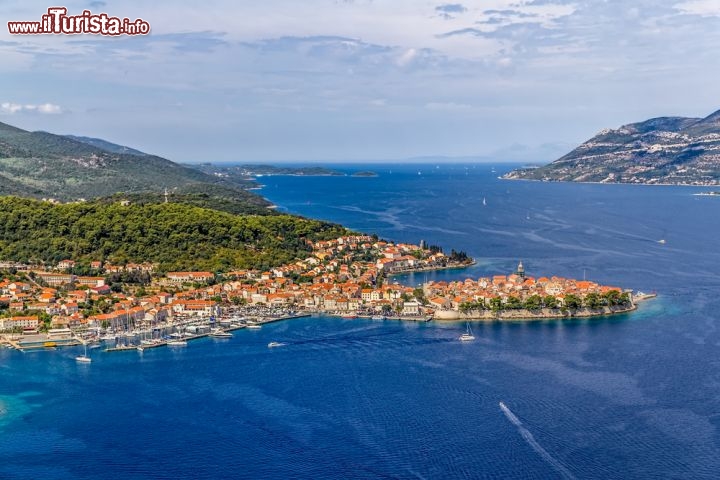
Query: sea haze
column 631, row 396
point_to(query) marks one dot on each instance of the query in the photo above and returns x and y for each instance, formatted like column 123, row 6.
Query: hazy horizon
column 284, row 81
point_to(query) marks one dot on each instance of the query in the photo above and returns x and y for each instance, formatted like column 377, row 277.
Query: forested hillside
column 176, row 236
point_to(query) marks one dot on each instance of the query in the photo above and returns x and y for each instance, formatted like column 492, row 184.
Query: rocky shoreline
column 531, row 315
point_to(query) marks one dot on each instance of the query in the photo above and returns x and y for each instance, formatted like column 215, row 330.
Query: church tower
column 520, row 270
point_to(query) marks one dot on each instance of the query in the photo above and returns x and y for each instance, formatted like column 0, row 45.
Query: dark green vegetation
column 176, row 236
column 666, row 150
column 612, row 298
column 214, row 197
column 43, row 165
column 365, row 173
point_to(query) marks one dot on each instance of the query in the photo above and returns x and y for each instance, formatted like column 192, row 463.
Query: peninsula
column 346, row 275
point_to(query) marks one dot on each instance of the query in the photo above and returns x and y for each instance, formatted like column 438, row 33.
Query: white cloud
column 10, row 107
column 43, row 108
column 705, row 8
column 407, row 57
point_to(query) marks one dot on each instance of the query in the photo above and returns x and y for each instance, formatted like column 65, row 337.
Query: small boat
column 177, row 343
column 253, row 326
column 484, row 202
column 349, row 315
column 84, row 357
column 467, row 336
column 377, row 317
column 275, row 344
column 662, row 241
column 217, row 333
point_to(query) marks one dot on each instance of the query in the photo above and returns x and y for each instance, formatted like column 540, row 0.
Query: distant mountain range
column 665, row 150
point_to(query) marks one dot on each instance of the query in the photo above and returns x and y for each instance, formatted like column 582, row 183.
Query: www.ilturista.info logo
column 58, row 22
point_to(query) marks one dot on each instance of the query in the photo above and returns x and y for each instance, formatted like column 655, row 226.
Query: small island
column 365, row 173
column 707, row 194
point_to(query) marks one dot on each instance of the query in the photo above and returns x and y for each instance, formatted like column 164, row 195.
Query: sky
column 355, row 80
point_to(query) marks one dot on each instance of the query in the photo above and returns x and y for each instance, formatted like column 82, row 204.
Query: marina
column 177, row 334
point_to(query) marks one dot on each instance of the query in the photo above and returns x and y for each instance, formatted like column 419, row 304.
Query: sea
column 622, row 397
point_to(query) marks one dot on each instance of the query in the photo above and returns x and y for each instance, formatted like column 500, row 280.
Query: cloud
column 97, row 4
column 704, row 8
column 407, row 57
column 43, row 108
column 448, row 10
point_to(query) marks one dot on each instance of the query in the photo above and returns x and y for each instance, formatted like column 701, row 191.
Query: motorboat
column 218, row 333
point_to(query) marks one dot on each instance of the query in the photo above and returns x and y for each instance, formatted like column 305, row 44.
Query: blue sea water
column 632, row 396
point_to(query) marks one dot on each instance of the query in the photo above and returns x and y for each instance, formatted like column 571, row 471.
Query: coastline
column 529, row 315
column 610, row 183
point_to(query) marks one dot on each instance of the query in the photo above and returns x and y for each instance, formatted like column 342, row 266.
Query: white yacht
column 275, row 344
column 467, row 336
column 84, row 357
column 218, row 333
column 178, row 342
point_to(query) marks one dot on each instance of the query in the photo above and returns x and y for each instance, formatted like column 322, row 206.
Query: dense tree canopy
column 176, row 236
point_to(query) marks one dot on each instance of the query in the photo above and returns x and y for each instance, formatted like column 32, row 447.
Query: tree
column 625, row 298
column 466, row 307
column 550, row 302
column 496, row 304
column 572, row 301
column 533, row 302
column 592, row 300
column 513, row 303
column 612, row 298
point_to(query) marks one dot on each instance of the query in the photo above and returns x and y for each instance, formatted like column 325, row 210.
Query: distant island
column 365, row 173
column 247, row 172
column 665, row 150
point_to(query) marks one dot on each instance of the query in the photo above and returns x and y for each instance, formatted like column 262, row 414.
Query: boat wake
column 528, row 437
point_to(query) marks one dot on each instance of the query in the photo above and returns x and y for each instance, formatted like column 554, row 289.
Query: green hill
column 44, row 165
column 105, row 145
column 176, row 236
